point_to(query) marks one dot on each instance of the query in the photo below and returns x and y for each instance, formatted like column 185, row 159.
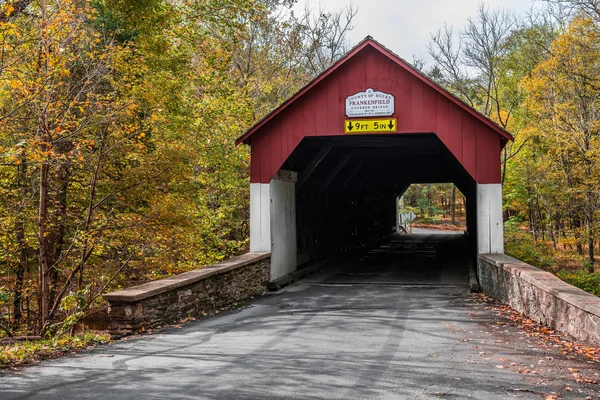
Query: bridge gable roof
column 367, row 43
column 421, row 107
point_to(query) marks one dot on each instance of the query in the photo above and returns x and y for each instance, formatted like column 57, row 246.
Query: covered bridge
column 327, row 168
column 328, row 164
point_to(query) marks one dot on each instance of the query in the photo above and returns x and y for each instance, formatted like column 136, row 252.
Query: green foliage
column 565, row 136
column 4, row 295
column 22, row 353
column 590, row 282
column 520, row 245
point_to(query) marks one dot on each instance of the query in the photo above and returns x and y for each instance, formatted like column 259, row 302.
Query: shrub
column 520, row 245
column 590, row 282
column 12, row 355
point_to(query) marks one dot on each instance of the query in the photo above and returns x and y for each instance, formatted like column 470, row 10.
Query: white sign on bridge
column 370, row 103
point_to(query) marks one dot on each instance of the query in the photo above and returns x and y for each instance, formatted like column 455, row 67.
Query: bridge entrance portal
column 328, row 165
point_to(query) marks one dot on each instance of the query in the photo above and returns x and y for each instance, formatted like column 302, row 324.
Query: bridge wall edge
column 541, row 296
column 188, row 295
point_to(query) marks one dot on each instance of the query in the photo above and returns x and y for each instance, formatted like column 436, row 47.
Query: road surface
column 398, row 323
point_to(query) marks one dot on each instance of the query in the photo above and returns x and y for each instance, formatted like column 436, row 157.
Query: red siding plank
column 418, row 113
column 333, row 106
column 320, row 110
column 488, row 149
column 403, row 93
column 265, row 158
column 255, row 163
column 308, row 123
column 454, row 124
column 444, row 110
column 430, row 110
column 468, row 135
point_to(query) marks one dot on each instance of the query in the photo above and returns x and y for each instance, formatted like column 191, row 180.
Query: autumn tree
column 117, row 128
column 72, row 130
column 564, row 97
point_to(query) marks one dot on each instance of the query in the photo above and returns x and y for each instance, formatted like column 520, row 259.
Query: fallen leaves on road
column 533, row 329
column 544, row 338
column 526, row 371
column 580, row 379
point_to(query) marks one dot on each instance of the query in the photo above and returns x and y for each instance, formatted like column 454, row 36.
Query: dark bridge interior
column 347, row 187
column 423, row 259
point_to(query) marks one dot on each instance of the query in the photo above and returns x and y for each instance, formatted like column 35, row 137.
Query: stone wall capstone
column 541, row 296
column 189, row 294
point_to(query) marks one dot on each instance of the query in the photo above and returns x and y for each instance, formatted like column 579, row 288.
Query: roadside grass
column 19, row 354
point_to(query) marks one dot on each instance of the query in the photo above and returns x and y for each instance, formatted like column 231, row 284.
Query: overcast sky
column 404, row 26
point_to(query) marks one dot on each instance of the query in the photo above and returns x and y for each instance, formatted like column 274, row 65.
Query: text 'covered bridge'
column 328, row 165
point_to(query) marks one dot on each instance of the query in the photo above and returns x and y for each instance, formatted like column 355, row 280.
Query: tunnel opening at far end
column 432, row 207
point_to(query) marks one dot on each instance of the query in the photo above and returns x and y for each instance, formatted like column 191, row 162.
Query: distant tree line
column 434, row 202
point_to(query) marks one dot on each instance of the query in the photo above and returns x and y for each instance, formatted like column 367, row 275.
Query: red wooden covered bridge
column 328, row 164
column 327, row 168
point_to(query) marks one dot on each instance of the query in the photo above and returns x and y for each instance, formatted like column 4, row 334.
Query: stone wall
column 187, row 295
column 541, row 296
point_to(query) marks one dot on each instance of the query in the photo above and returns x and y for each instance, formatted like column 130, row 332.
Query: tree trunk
column 591, row 244
column 540, row 219
column 504, row 164
column 43, row 246
column 45, row 145
column 20, row 272
column 56, row 238
column 20, row 238
column 452, row 204
column 531, row 213
column 576, row 226
column 552, row 235
column 590, row 254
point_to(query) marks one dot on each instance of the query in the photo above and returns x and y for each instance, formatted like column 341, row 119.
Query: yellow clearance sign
column 370, row 125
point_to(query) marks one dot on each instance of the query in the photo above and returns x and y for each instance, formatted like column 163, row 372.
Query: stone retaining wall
column 187, row 295
column 541, row 296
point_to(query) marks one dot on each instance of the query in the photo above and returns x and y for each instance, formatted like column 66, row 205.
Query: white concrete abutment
column 490, row 227
column 273, row 222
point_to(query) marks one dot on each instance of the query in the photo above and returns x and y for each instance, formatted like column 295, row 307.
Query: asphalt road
column 399, row 323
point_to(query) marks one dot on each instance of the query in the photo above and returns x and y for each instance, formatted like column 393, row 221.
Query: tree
column 117, row 128
column 589, row 8
column 563, row 95
column 485, row 63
